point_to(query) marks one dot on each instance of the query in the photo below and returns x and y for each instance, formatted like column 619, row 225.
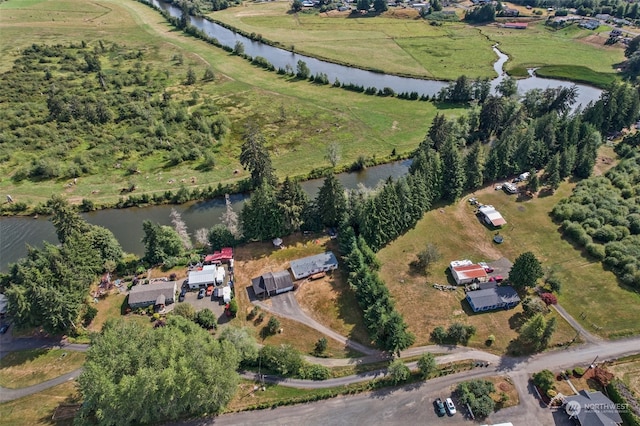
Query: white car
column 450, row 406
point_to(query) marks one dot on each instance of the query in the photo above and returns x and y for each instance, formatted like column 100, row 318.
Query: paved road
column 9, row 344
column 286, row 305
column 413, row 403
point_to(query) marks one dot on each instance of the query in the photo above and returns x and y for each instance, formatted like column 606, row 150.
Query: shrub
column 597, row 251
column 185, row 310
column 578, row 372
column 544, row 380
column 314, row 372
column 321, row 346
column 89, row 314
column 549, row 298
column 206, row 319
column 272, row 327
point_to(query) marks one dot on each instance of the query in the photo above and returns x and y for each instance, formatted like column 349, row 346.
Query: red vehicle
column 209, row 290
column 497, row 278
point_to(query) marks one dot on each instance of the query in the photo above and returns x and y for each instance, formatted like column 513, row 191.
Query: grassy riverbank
column 299, row 119
column 399, row 42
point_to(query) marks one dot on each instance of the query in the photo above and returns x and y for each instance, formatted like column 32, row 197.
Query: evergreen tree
column 219, row 236
column 552, row 172
column 255, row 157
column 363, row 5
column 452, row 172
column 261, row 216
column 490, row 116
column 191, row 77
column 292, row 201
column 474, row 167
column 507, row 87
column 526, row 271
column 331, row 201
column 65, row 218
column 533, row 183
column 568, row 159
column 380, row 6
column 439, row 132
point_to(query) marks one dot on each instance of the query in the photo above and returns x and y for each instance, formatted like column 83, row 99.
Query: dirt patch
column 394, row 126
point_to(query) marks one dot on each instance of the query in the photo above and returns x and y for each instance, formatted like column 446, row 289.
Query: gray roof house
column 272, row 283
column 306, row 266
column 592, row 409
column 158, row 293
column 489, row 299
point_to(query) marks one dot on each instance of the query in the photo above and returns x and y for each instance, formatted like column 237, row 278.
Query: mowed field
column 400, row 42
column 298, row 119
column 610, row 310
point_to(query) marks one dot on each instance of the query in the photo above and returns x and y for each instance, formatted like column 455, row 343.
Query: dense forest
column 603, row 215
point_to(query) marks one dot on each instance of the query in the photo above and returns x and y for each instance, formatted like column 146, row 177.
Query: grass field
column 334, row 305
column 628, row 370
column 459, row 235
column 26, row 368
column 314, row 116
column 399, row 42
column 37, row 409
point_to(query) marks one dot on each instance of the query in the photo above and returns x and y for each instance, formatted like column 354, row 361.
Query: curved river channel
column 126, row 224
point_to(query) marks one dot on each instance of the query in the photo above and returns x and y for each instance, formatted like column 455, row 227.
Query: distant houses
column 158, row 294
column 324, row 262
column 590, row 24
column 492, row 298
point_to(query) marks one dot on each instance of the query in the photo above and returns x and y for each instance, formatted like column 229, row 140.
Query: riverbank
column 404, row 45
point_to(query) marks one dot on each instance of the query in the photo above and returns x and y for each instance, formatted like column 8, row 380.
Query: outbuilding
column 202, row 279
column 491, row 216
column 324, row 262
column 272, row 283
column 495, row 297
column 467, row 274
column 159, row 294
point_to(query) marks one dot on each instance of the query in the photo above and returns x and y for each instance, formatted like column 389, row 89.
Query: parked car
column 440, row 407
column 183, row 293
column 488, row 269
column 201, row 293
column 497, row 278
column 209, row 290
column 4, row 328
column 451, row 407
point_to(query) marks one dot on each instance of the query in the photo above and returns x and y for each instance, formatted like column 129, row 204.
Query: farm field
column 399, row 42
column 459, row 235
column 298, row 119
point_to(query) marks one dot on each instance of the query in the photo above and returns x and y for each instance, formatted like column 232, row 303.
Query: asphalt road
column 414, row 404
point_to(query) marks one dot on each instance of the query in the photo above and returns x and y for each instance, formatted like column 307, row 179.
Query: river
column 281, row 58
column 126, row 224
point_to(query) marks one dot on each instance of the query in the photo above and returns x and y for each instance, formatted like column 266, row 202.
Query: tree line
column 49, row 287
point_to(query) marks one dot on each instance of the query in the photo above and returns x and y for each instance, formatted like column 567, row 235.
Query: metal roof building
column 302, row 268
column 497, row 297
column 158, row 293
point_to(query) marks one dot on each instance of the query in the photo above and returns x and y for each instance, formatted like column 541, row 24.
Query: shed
column 489, row 299
column 224, row 255
column 491, row 216
column 469, row 273
column 201, row 279
column 158, row 293
column 324, row 262
column 272, row 283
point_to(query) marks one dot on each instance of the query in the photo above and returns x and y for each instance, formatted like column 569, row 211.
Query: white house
column 466, row 274
column 201, row 279
column 306, row 266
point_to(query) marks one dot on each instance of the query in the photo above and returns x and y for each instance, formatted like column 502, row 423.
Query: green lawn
column 399, row 42
column 26, row 368
column 298, row 119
